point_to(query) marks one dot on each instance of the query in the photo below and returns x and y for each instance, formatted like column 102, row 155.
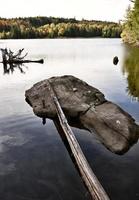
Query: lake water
column 34, row 163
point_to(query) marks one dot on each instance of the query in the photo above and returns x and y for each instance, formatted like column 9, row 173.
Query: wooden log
column 24, row 61
column 94, row 187
column 10, row 58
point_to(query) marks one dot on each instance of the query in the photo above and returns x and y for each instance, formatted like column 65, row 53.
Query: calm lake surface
column 34, row 163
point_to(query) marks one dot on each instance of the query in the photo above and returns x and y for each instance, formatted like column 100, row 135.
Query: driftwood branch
column 9, row 57
column 26, row 61
column 18, row 53
column 96, row 190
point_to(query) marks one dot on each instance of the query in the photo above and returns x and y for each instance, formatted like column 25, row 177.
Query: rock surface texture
column 82, row 103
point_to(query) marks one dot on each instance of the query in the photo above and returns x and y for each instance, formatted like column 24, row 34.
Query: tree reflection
column 131, row 69
column 11, row 67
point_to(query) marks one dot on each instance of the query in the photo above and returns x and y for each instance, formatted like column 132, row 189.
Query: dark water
column 34, row 164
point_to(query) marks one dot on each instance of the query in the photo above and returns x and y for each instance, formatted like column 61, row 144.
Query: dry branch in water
column 8, row 56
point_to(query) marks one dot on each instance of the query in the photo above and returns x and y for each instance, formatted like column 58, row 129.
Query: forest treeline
column 51, row 27
column 130, row 32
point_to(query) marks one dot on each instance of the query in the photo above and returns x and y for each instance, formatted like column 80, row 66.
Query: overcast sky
column 110, row 10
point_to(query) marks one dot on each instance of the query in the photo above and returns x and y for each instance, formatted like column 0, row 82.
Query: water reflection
column 41, row 168
column 9, row 68
column 131, row 70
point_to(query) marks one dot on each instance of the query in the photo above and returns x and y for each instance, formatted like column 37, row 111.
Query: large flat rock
column 115, row 128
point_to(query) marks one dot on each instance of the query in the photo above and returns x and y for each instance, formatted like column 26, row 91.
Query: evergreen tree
column 130, row 32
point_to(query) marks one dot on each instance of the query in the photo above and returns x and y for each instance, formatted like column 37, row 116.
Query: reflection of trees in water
column 10, row 68
column 131, row 68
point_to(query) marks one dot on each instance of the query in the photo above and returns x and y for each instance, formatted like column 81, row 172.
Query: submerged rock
column 82, row 103
column 115, row 60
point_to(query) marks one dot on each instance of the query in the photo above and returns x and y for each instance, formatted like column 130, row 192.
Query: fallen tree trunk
column 24, row 61
column 8, row 57
column 93, row 185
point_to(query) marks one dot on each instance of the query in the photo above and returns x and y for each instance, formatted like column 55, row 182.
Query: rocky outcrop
column 86, row 105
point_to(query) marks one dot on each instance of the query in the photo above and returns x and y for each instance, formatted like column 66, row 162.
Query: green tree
column 130, row 32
